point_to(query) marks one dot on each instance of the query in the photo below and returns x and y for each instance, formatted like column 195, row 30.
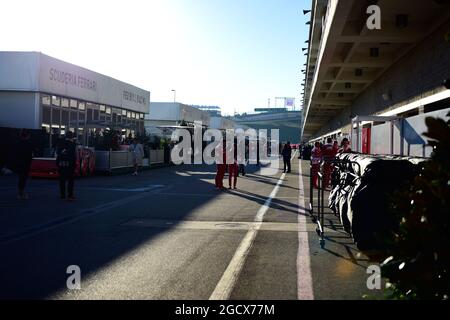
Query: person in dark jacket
column 286, row 153
column 24, row 155
column 65, row 160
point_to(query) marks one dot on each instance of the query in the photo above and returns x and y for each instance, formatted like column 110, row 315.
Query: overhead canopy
column 373, row 118
column 345, row 57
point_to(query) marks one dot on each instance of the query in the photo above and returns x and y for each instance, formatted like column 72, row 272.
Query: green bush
column 419, row 259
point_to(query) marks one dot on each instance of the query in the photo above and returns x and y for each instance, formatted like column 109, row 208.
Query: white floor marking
column 304, row 278
column 227, row 282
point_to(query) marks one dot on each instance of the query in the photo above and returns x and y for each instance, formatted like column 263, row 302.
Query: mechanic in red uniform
column 329, row 153
column 221, row 165
column 233, row 168
column 345, row 146
column 316, row 158
column 335, row 147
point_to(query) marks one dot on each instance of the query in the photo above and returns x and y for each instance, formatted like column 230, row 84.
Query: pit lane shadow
column 35, row 266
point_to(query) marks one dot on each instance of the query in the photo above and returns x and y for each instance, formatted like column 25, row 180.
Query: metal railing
column 111, row 160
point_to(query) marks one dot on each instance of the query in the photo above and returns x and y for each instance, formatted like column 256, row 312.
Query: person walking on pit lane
column 316, row 158
column 137, row 153
column 242, row 162
column 24, row 155
column 233, row 168
column 65, row 160
column 287, row 153
column 221, row 165
column 328, row 155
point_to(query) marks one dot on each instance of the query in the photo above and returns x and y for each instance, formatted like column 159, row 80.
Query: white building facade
column 41, row 92
column 167, row 114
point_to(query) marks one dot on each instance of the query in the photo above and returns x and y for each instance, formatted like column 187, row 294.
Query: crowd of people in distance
column 66, row 161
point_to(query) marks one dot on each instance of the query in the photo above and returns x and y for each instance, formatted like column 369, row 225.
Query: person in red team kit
column 345, row 146
column 232, row 174
column 221, row 165
column 328, row 153
column 316, row 158
column 335, row 147
column 233, row 169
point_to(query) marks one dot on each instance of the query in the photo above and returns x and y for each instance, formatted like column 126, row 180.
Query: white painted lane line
column 227, row 282
column 304, row 277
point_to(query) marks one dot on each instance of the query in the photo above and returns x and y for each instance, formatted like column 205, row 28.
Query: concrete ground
column 168, row 234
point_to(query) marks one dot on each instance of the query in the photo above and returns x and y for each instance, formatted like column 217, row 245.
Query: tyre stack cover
column 361, row 192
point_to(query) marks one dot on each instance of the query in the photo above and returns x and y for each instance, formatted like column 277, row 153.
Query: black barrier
column 338, row 166
column 320, row 209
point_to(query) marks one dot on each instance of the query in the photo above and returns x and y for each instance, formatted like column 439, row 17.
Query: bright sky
column 232, row 53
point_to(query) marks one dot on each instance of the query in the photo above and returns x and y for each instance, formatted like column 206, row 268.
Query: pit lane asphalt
column 168, row 234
